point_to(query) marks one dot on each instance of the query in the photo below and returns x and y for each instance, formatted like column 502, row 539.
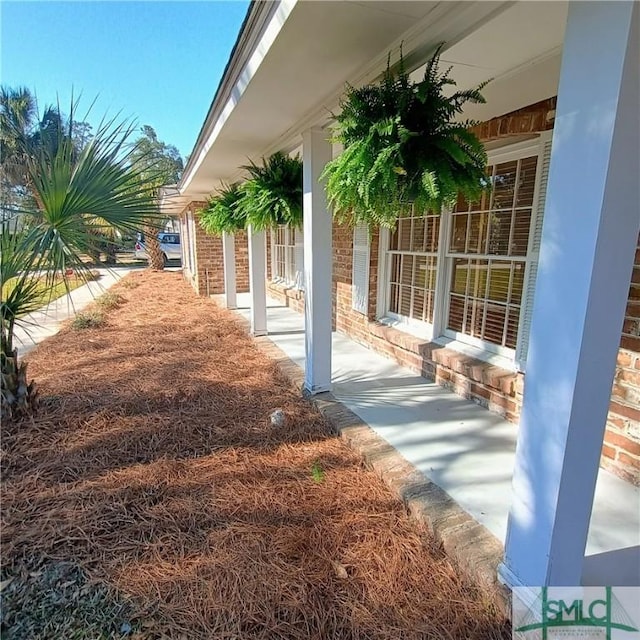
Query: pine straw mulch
column 153, row 468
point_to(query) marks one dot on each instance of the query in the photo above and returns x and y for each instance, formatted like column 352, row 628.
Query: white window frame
column 191, row 229
column 184, row 233
column 505, row 357
column 413, row 326
column 293, row 257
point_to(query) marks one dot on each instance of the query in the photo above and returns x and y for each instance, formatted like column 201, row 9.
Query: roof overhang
column 293, row 59
column 172, row 202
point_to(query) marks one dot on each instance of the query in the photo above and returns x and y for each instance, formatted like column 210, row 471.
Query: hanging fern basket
column 273, row 194
column 222, row 214
column 403, row 146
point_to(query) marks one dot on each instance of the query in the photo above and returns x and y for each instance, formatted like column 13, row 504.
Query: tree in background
column 161, row 164
column 23, row 135
column 18, row 117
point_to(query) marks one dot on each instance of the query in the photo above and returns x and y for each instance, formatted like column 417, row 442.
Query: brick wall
column 492, row 387
column 345, row 319
column 208, row 276
column 621, row 450
column 209, row 263
column 497, row 389
column 242, row 262
column 529, row 120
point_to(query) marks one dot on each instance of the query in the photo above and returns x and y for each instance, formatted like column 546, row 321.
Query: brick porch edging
column 474, row 550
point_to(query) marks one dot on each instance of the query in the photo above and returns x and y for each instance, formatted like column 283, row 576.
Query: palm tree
column 73, row 194
column 161, row 163
column 18, row 117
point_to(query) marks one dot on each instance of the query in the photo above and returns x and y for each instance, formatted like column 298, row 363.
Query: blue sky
column 157, row 62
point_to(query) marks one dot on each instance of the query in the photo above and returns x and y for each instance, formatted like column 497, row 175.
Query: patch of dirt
column 153, row 467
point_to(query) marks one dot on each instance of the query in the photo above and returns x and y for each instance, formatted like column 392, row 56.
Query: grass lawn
column 61, row 286
column 152, row 498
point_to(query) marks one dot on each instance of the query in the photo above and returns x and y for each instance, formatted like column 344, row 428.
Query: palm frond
column 19, row 285
column 74, row 195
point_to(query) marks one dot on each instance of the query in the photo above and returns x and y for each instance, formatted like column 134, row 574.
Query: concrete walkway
column 45, row 322
column 465, row 449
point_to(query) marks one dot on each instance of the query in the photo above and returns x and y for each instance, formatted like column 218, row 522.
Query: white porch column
column 229, row 263
column 257, row 282
column 316, row 152
column 592, row 219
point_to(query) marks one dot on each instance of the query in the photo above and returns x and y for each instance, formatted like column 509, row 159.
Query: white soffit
column 520, row 50
column 298, row 70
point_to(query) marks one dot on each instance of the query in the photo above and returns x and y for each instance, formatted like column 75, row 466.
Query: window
column 286, row 255
column 469, row 273
column 488, row 245
column 413, row 261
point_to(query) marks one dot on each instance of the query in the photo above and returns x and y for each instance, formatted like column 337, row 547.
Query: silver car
column 169, row 245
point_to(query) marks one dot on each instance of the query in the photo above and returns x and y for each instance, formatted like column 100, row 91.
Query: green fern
column 222, row 213
column 273, row 194
column 401, row 144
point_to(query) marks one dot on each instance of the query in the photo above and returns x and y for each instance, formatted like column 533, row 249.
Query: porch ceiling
column 298, row 70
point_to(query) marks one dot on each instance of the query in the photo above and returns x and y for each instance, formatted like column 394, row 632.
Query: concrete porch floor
column 460, row 446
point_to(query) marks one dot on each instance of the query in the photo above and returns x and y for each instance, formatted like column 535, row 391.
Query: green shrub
column 88, row 320
column 317, row 473
column 110, row 300
column 128, row 283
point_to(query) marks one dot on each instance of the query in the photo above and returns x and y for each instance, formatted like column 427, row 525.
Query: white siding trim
column 533, row 252
column 360, row 270
column 383, row 270
column 299, row 258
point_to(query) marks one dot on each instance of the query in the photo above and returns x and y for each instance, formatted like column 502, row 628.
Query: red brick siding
column 345, row 319
column 621, row 450
column 208, row 278
column 209, row 265
column 490, row 386
column 532, row 119
column 497, row 389
column 242, row 262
